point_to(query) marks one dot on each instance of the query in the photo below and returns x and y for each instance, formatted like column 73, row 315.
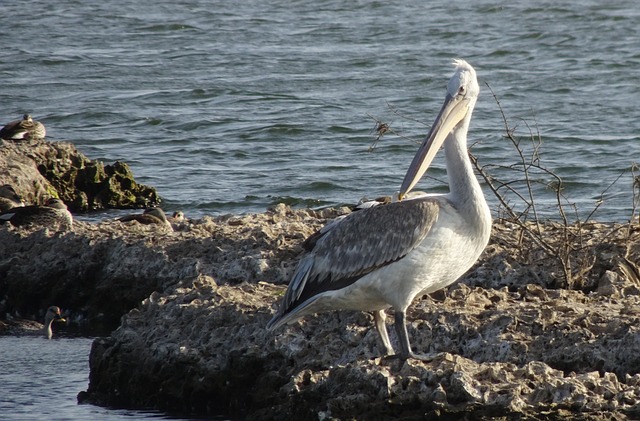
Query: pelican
column 385, row 256
column 27, row 128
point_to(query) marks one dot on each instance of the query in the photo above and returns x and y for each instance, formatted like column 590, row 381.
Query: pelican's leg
column 403, row 337
column 380, row 316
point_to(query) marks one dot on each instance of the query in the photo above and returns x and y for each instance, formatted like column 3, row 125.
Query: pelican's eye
column 462, row 91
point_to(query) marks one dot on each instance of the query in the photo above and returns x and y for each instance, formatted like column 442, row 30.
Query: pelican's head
column 462, row 93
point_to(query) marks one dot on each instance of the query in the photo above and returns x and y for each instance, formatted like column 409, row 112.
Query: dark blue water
column 229, row 107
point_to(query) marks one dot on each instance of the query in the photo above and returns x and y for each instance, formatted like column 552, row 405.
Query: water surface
column 41, row 379
column 229, row 107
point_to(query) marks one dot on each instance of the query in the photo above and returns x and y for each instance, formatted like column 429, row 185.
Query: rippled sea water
column 41, row 379
column 230, row 107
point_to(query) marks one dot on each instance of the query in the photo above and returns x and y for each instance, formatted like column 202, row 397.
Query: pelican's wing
column 346, row 250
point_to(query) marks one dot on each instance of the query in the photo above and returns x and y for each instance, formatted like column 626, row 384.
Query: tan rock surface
column 512, row 339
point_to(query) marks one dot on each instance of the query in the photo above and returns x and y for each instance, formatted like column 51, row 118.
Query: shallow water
column 41, row 379
column 230, row 107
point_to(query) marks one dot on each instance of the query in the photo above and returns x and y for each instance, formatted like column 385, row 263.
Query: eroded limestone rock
column 202, row 347
column 506, row 344
column 512, row 338
column 101, row 271
column 39, row 169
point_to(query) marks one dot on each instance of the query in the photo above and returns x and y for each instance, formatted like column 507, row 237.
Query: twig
column 382, row 128
column 517, row 201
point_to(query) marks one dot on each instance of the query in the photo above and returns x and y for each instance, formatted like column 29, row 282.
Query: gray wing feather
column 360, row 243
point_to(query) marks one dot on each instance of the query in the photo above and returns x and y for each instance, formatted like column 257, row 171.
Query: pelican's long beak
column 453, row 111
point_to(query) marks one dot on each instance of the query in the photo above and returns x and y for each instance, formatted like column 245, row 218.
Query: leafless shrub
column 565, row 238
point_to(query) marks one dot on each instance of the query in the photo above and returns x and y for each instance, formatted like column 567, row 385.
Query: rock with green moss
column 39, row 169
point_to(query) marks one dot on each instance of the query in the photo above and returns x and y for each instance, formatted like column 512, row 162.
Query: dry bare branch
column 562, row 241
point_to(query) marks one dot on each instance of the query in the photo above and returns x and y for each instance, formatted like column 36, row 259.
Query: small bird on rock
column 24, row 129
column 148, row 217
column 178, row 216
column 53, row 213
column 29, row 327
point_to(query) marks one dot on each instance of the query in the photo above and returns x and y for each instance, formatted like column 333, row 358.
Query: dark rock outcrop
column 101, row 271
column 513, row 339
column 38, row 169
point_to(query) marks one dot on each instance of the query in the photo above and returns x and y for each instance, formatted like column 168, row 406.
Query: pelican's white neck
column 464, row 190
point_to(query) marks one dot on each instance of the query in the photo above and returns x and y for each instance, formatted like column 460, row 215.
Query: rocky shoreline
column 507, row 344
column 545, row 326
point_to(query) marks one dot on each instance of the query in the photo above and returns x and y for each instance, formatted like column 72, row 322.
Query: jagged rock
column 202, row 347
column 39, row 169
column 101, row 271
column 513, row 339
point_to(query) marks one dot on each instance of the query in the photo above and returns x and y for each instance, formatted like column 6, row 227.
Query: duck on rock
column 22, row 327
column 53, row 213
column 148, row 217
column 24, row 129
